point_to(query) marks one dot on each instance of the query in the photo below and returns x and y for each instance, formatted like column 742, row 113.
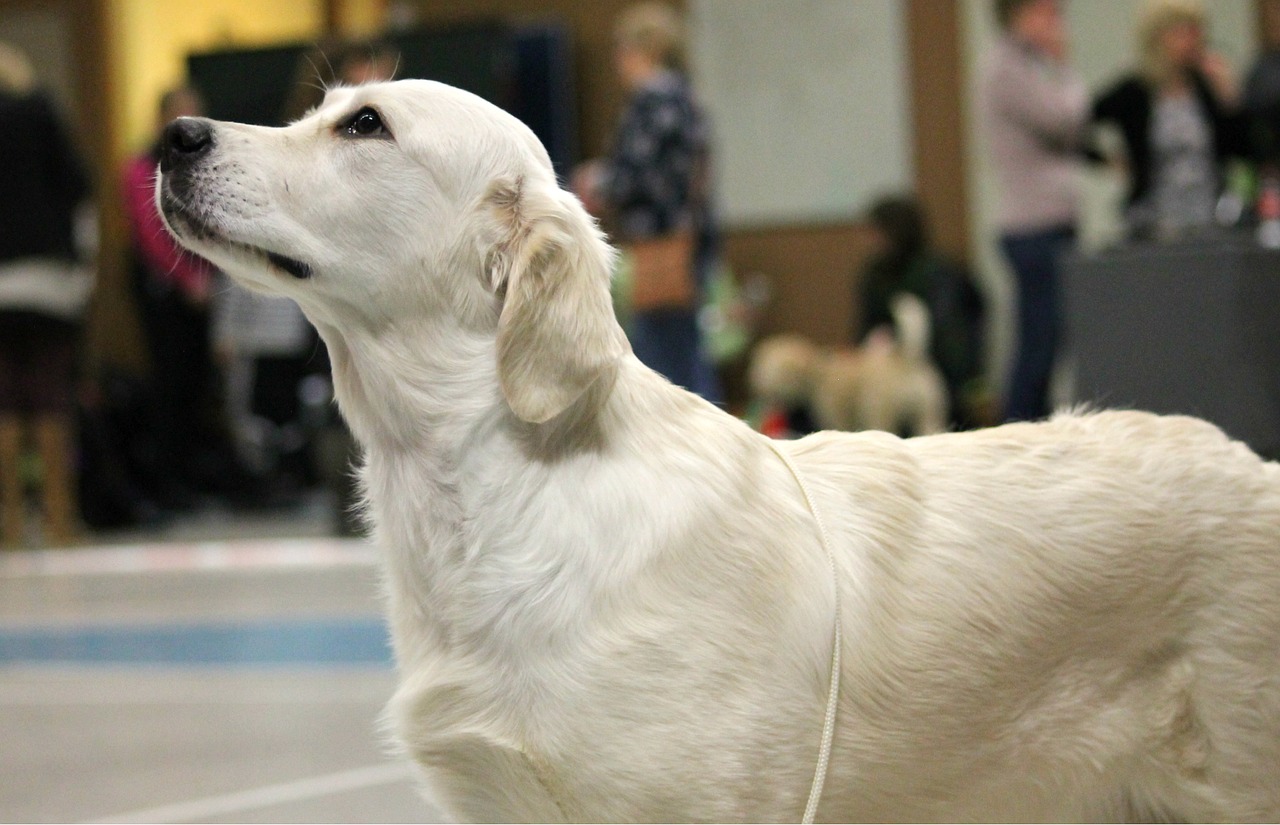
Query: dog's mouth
column 191, row 227
column 292, row 266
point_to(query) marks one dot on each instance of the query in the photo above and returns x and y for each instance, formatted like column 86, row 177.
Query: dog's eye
column 364, row 123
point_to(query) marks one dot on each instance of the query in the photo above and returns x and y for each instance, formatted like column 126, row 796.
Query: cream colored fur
column 608, row 599
column 886, row 384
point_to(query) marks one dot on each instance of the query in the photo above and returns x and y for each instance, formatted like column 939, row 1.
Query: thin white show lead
column 829, row 723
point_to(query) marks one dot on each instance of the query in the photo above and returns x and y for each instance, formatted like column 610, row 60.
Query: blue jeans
column 1034, row 257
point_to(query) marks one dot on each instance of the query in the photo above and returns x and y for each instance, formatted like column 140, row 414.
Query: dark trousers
column 666, row 340
column 1035, row 257
column 190, row 437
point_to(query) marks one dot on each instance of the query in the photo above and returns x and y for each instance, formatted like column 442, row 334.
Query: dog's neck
column 449, row 471
column 415, row 389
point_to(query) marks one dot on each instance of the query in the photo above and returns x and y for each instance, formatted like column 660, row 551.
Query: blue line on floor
column 353, row 641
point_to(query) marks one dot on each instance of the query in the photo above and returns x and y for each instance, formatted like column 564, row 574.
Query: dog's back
column 1095, row 600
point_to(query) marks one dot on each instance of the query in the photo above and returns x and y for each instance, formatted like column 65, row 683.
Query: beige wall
column 812, row 267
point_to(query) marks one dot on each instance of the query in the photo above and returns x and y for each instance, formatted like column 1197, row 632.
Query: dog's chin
column 207, row 241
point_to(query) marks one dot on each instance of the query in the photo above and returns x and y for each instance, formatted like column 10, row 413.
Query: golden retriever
column 609, row 600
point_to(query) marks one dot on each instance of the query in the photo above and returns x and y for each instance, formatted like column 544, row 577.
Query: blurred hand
column 200, row 293
column 880, row 339
column 1053, row 42
column 1221, row 77
column 1041, row 24
column 585, row 183
column 224, row 353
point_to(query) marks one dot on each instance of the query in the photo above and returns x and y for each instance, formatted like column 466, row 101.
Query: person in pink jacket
column 172, row 288
column 172, row 266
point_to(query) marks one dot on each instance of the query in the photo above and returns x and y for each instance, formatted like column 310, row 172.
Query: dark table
column 1181, row 327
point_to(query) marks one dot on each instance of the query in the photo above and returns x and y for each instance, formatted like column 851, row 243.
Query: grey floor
column 224, row 669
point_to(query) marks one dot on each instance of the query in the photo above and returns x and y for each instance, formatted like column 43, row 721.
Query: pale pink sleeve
column 1052, row 103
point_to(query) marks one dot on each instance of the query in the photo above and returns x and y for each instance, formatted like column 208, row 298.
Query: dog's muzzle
column 184, row 143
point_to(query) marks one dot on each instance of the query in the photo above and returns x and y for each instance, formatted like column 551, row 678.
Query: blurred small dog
column 887, row 384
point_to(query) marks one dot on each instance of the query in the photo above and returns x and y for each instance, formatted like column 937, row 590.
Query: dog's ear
column 557, row 332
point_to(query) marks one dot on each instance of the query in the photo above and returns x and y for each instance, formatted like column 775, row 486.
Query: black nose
column 183, row 141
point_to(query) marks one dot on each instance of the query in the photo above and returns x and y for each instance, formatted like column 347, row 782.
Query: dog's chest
column 553, row 757
column 480, row 730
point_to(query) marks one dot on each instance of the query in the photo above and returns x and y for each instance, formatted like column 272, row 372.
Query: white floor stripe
column 183, row 556
column 67, row 686
column 257, row 798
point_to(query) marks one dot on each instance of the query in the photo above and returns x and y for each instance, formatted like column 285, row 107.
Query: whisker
column 333, row 73
column 228, row 286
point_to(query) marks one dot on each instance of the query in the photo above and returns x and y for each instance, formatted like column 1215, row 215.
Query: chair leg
column 12, row 493
column 58, row 492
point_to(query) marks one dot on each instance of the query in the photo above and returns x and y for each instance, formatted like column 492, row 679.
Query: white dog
column 610, row 601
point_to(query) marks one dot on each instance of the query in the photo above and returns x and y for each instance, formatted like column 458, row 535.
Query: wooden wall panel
column 812, row 273
column 934, row 43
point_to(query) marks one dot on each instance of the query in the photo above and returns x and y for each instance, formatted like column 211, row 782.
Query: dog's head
column 406, row 203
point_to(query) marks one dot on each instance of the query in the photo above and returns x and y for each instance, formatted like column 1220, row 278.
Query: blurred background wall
column 108, row 61
column 1103, row 46
column 819, row 105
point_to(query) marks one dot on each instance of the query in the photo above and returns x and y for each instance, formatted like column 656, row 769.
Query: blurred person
column 903, row 259
column 656, row 181
column 1036, row 109
column 265, row 344
column 1178, row 114
column 173, row 289
column 43, row 292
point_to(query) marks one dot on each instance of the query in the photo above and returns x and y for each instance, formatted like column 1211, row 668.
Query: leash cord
column 833, row 694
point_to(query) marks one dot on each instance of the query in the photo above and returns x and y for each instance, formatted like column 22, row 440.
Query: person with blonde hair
column 43, row 292
column 1177, row 112
column 654, row 30
column 655, row 182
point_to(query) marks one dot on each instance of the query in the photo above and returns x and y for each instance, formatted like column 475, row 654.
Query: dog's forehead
column 427, row 117
column 342, row 99
column 402, row 94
